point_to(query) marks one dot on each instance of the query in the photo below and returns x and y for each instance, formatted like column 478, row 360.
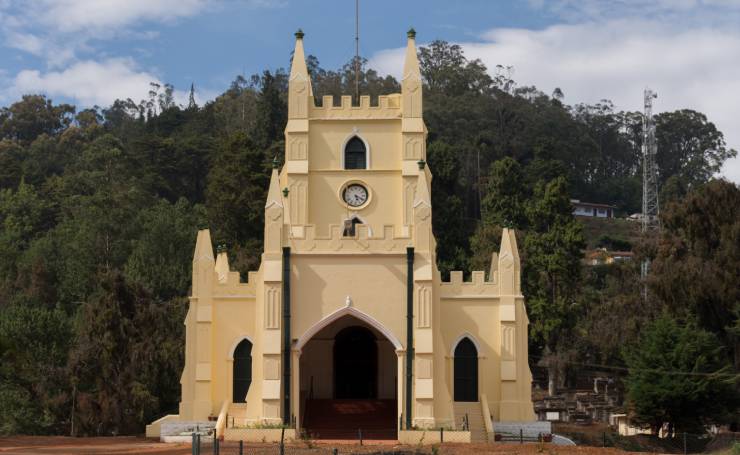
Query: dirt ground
column 56, row 445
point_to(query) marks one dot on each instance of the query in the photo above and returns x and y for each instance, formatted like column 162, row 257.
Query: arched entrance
column 348, row 381
column 355, row 364
column 466, row 371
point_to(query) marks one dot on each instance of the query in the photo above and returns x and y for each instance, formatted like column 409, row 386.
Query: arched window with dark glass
column 466, row 371
column 355, row 154
column 242, row 371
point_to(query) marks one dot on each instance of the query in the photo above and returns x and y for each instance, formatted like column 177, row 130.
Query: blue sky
column 94, row 51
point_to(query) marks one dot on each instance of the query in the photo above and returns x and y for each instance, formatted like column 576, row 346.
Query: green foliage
column 237, row 188
column 33, row 116
column 690, row 148
column 698, row 260
column 126, row 344
column 33, row 352
column 160, row 257
column 505, row 197
column 552, row 250
column 678, row 375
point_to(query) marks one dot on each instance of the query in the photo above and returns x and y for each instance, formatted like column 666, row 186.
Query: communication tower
column 650, row 206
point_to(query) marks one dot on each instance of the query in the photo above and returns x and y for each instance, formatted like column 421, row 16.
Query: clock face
column 355, row 195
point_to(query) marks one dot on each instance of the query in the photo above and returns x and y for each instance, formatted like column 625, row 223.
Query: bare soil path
column 59, row 445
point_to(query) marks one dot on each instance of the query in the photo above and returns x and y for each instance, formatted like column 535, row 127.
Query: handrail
column 486, row 415
column 221, row 421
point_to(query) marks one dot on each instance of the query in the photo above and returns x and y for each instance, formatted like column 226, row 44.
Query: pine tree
column 678, row 376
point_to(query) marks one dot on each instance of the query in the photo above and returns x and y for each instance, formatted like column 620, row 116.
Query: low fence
column 679, row 443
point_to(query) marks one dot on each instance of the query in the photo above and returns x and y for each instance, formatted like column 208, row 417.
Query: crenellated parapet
column 477, row 287
column 230, row 285
column 363, row 242
column 388, row 107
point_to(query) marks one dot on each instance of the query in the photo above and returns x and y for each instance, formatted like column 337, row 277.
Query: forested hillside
column 99, row 209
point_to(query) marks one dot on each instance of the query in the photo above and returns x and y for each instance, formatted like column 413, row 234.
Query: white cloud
column 102, row 16
column 89, row 82
column 688, row 67
column 96, row 83
column 602, row 9
column 59, row 30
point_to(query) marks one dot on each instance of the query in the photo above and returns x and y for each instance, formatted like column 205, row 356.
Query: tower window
column 355, row 154
column 349, row 227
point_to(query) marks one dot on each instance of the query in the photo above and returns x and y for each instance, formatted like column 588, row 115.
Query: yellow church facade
column 348, row 309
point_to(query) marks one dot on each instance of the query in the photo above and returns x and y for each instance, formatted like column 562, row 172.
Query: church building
column 347, row 322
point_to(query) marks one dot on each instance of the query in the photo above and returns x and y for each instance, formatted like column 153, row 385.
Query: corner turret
column 509, row 267
column 411, row 82
column 203, row 263
column 274, row 216
column 299, row 85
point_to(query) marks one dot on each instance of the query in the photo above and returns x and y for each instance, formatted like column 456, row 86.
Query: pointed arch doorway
column 466, row 371
column 348, row 381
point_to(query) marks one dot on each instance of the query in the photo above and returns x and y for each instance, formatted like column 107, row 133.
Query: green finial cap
column 221, row 248
column 275, row 163
column 299, row 34
column 411, row 33
column 421, row 164
column 285, row 191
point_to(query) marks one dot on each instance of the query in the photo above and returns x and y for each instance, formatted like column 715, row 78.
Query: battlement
column 388, row 107
column 362, row 242
column 478, row 287
column 230, row 285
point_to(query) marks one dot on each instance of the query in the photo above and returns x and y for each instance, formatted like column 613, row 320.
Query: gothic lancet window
column 242, row 371
column 355, row 154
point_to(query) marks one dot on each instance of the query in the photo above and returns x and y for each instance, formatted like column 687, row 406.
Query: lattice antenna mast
column 650, row 206
column 357, row 50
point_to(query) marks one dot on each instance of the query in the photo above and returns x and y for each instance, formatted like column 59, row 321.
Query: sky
column 91, row 52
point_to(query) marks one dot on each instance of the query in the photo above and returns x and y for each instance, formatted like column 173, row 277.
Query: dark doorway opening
column 466, row 371
column 355, row 364
column 242, row 374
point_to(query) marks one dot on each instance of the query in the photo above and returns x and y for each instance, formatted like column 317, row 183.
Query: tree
column 11, row 161
column 698, row 260
column 678, row 376
column 34, row 343
column 236, row 192
column 272, row 109
column 160, row 258
column 33, row 116
column 690, row 147
column 117, row 350
column 551, row 273
column 505, row 195
column 445, row 68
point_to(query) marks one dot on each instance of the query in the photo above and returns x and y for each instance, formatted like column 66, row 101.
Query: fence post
column 604, row 438
column 197, row 445
column 441, row 434
column 521, row 436
column 335, row 451
column 216, row 448
column 194, row 450
column 282, row 442
column 241, row 447
column 359, row 432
